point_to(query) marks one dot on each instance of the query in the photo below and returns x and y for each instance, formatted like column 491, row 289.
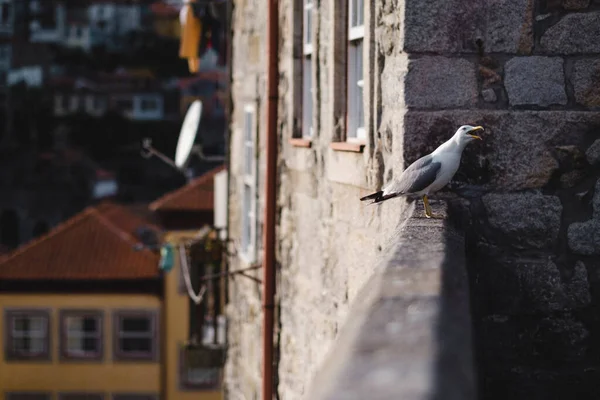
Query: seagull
column 429, row 173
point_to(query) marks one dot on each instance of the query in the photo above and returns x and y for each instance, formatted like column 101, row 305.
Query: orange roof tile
column 96, row 244
column 197, row 195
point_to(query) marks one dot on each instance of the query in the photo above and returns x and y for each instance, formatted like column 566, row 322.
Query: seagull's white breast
column 450, row 162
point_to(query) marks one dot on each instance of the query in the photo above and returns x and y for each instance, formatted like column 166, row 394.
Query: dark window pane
column 90, row 325
column 21, row 324
column 90, row 344
column 81, row 396
column 27, row 396
column 135, row 345
column 134, row 397
column 22, row 344
column 133, row 324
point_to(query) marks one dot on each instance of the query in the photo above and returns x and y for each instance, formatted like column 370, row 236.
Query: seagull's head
column 466, row 134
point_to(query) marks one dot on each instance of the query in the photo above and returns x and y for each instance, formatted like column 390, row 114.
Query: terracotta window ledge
column 301, row 142
column 356, row 147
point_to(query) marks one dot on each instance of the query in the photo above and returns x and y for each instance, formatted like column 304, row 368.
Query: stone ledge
column 408, row 333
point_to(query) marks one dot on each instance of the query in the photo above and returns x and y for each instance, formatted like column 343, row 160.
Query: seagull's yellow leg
column 427, row 208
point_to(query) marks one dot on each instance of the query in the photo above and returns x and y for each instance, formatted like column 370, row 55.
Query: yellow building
column 88, row 313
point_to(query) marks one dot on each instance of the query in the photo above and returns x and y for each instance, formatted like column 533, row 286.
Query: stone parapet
column 408, row 333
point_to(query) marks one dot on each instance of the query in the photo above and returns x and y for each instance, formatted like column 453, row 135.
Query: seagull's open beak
column 477, row 128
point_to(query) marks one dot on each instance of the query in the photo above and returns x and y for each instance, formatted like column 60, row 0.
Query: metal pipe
column 270, row 200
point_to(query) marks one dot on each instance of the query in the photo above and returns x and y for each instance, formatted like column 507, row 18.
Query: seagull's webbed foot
column 428, row 213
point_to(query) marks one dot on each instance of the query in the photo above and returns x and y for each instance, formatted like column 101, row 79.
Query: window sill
column 354, row 147
column 301, row 142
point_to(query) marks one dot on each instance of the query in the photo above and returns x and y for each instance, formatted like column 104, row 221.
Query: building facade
column 90, row 311
column 364, row 88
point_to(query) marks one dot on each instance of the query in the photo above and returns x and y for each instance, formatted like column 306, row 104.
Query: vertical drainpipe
column 270, row 200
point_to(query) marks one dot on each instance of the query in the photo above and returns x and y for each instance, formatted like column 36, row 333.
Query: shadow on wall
column 455, row 372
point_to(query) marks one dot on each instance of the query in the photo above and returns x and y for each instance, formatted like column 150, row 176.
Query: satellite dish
column 189, row 129
column 185, row 143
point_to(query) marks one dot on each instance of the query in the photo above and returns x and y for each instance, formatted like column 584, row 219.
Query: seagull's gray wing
column 416, row 177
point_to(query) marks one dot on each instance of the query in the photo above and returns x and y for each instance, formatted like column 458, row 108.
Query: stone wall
column 529, row 72
column 327, row 240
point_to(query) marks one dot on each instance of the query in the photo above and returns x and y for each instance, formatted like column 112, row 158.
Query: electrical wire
column 183, row 260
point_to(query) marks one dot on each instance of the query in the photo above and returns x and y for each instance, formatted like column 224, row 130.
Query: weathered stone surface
column 509, row 340
column 544, row 290
column 390, row 345
column 527, row 219
column 489, row 76
column 517, row 151
column 593, row 153
column 428, row 29
column 489, row 95
column 441, row 82
column 572, row 178
column 535, row 81
column 586, row 82
column 509, row 26
column 575, row 4
column 584, row 237
column 515, row 287
column 570, row 156
column 574, row 34
column 455, row 26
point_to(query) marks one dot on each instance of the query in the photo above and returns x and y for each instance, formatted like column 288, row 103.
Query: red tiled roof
column 96, row 244
column 197, row 195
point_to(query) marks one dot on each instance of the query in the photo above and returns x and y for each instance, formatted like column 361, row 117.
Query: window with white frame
column 307, row 86
column 248, row 190
column 135, row 335
column 356, row 34
column 81, row 334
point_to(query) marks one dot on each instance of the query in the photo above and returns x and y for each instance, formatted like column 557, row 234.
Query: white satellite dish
column 185, row 143
column 188, row 132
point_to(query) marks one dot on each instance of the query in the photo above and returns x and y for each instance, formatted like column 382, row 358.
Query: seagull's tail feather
column 375, row 196
column 378, row 197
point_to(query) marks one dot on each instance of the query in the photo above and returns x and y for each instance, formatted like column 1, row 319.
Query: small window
column 81, row 334
column 28, row 334
column 355, row 109
column 27, row 396
column 135, row 335
column 134, row 396
column 81, row 396
column 5, row 11
column 307, row 70
column 248, row 189
column 205, row 377
column 149, row 104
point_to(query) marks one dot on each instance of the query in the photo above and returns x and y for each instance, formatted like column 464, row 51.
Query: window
column 27, row 396
column 248, row 190
column 80, row 396
column 28, row 334
column 134, row 396
column 81, row 334
column 197, row 377
column 135, row 335
column 355, row 109
column 307, row 86
column 149, row 104
column 5, row 13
